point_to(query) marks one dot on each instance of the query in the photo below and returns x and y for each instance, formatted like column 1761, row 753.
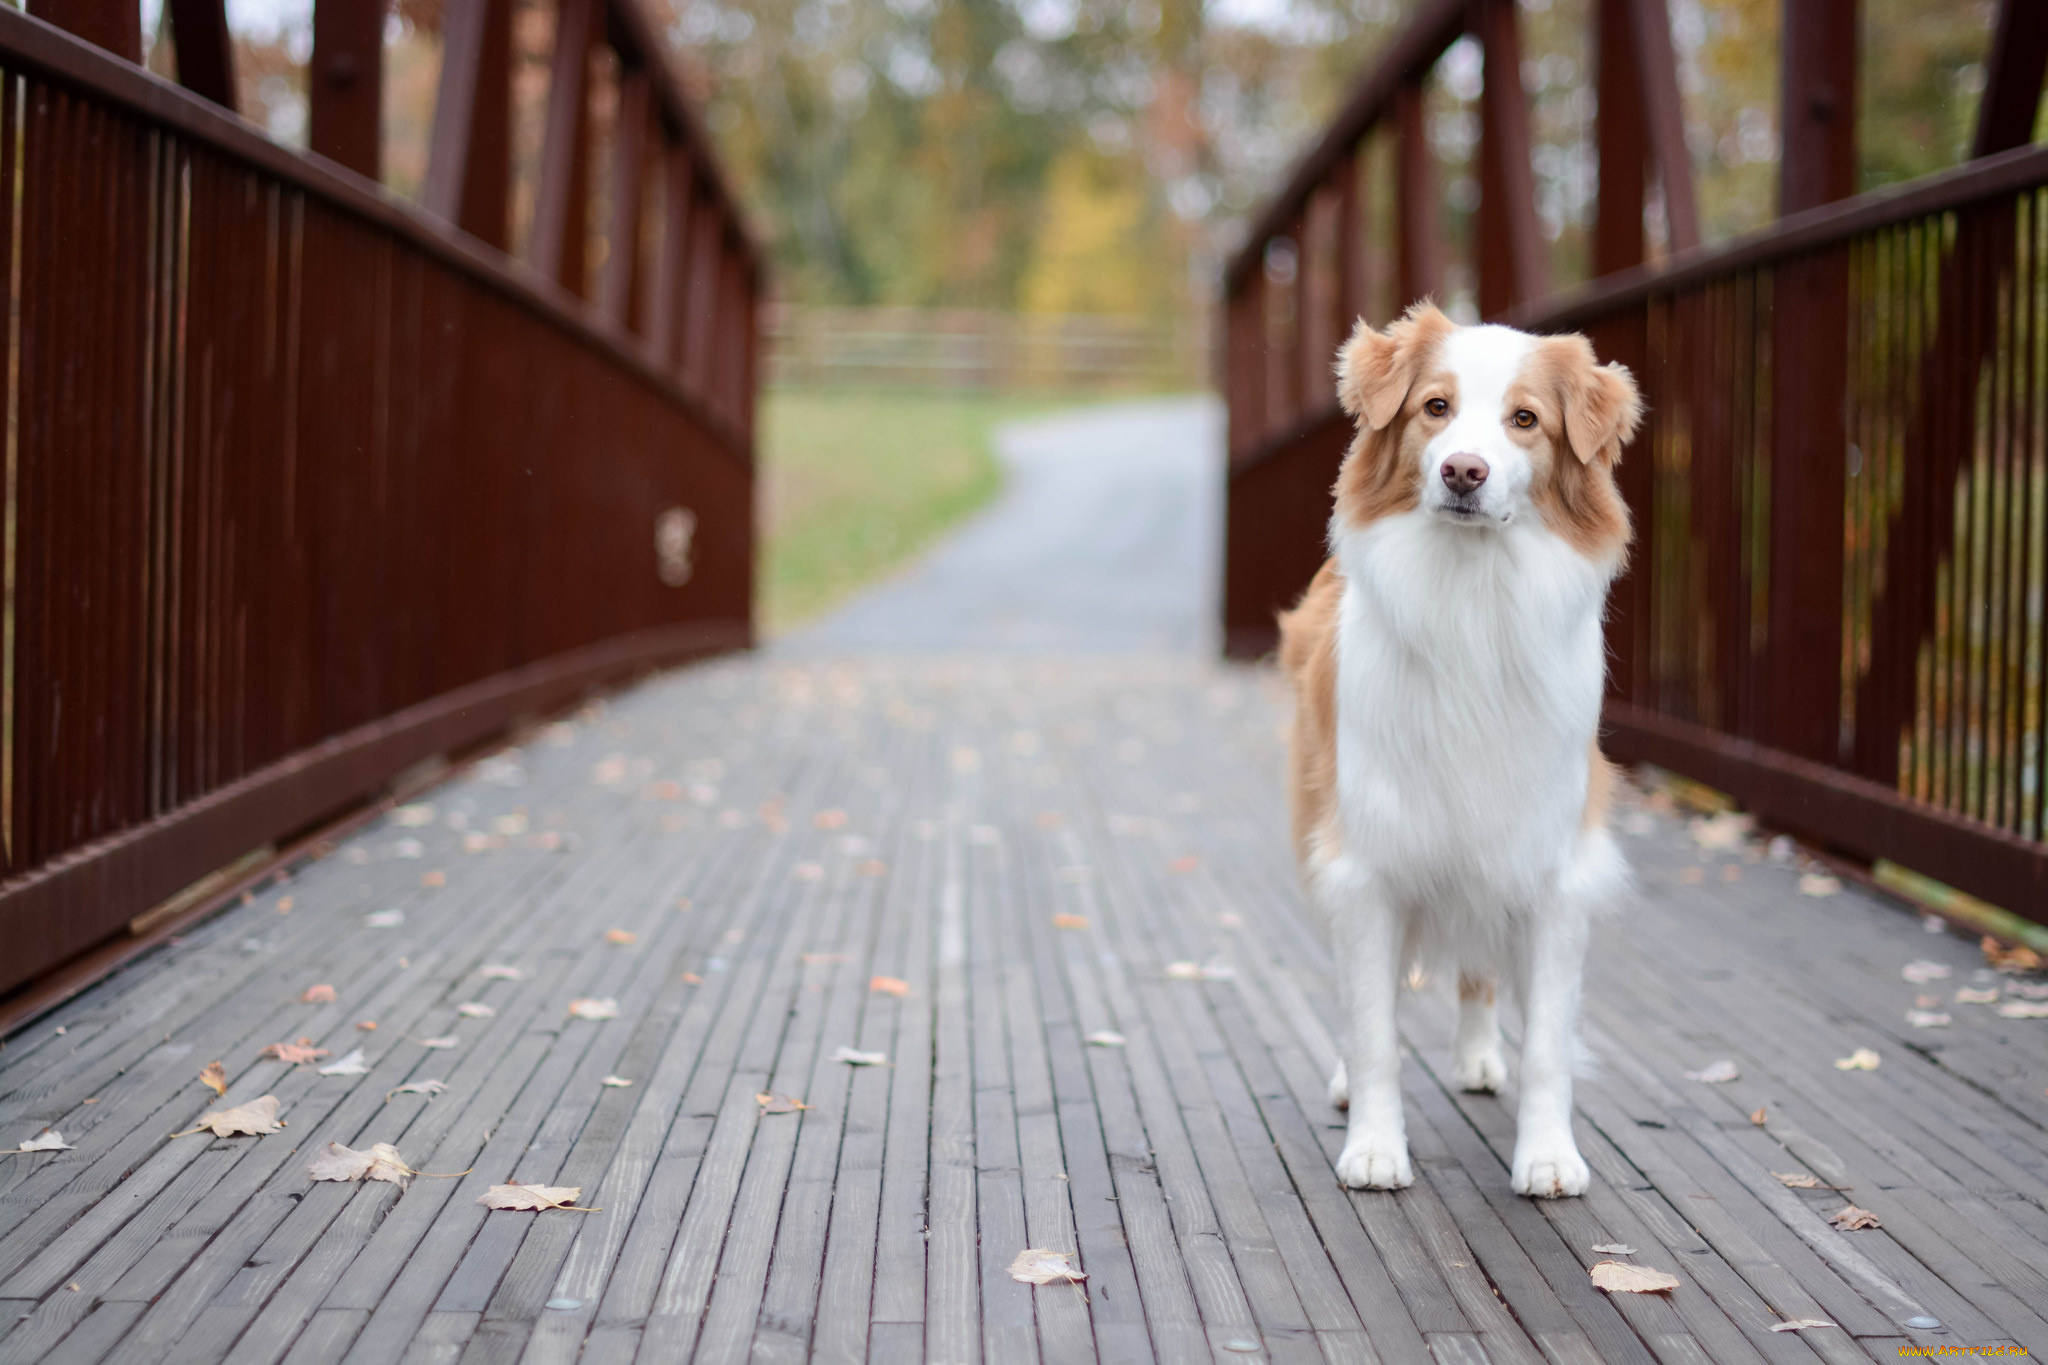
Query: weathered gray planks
column 926, row 820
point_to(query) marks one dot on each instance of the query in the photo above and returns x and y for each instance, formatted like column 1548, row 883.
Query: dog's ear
column 1375, row 370
column 1602, row 408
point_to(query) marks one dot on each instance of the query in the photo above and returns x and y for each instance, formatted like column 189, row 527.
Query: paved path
column 1105, row 539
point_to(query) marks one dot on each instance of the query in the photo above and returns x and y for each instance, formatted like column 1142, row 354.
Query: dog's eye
column 1436, row 407
column 1525, row 419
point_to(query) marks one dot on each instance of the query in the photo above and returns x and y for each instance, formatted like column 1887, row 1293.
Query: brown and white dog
column 1448, row 788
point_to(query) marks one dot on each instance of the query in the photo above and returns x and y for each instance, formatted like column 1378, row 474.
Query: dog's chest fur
column 1468, row 690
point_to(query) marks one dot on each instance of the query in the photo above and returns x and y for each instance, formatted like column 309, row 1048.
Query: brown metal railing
column 304, row 485
column 1839, row 591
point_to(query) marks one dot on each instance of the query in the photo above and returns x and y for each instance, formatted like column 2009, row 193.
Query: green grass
column 860, row 481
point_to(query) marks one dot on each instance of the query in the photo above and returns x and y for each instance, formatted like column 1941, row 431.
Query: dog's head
column 1484, row 428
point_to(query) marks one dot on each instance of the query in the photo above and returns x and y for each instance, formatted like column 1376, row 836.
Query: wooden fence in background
column 307, row 484
column 1836, row 605
column 964, row 349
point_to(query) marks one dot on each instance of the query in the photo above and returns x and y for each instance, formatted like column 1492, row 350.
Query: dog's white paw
column 1340, row 1088
column 1550, row 1169
column 1375, row 1163
column 1481, row 1070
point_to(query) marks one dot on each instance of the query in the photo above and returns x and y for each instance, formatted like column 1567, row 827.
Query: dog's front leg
column 1367, row 935
column 1547, row 1161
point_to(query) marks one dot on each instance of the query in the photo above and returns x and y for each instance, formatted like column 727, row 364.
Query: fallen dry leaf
column 1800, row 1324
column 351, row 1065
column 1929, row 1018
column 822, row 959
column 498, row 971
column 1852, row 1218
column 1693, row 876
column 435, row 878
column 1800, row 1180
column 593, row 1009
column 367, row 1025
column 872, row 867
column 691, row 978
column 617, row 1081
column 1723, row 832
column 49, row 1140
column 427, row 1088
column 2018, row 958
column 855, row 1057
column 1715, row 1073
column 778, row 1104
column 385, row 919
column 253, row 1119
column 1970, row 995
column 1614, row 1249
column 889, row 985
column 215, row 1076
column 298, row 1054
column 1105, row 1038
column 284, row 905
column 532, row 1197
column 1036, row 1265
column 443, row 1043
column 381, row 1162
column 1070, row 921
column 1921, row 972
column 808, row 872
column 1862, row 1059
column 2024, row 1009
column 471, row 1009
column 322, row 994
column 1195, row 971
column 1186, row 863
column 620, row 936
column 1818, row 884
column 1760, row 1117
column 1617, row 1277
column 829, row 819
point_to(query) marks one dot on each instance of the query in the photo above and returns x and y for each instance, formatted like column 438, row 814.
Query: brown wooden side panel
column 1276, row 531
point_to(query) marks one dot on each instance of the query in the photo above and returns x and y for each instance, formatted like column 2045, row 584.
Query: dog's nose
column 1463, row 473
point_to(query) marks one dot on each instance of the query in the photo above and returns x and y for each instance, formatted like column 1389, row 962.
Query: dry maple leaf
column 298, row 1054
column 1932, row 1018
column 1852, row 1218
column 1800, row 1324
column 779, row 1104
column 381, row 1162
column 1921, row 971
column 1070, row 921
column 532, row 1197
column 322, row 994
column 2024, row 1009
column 1618, row 1278
column 593, row 1009
column 254, row 1119
column 215, row 1076
column 2018, row 958
column 1970, row 995
column 367, row 1025
column 889, row 985
column 427, row 1088
column 855, row 1057
column 1862, row 1059
column 1715, row 1073
column 351, row 1065
column 1036, row 1265
column 49, row 1140
column 1760, row 1117
column 1818, row 884
column 623, row 937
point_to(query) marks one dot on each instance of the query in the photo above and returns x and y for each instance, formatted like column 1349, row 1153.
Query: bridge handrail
column 307, row 486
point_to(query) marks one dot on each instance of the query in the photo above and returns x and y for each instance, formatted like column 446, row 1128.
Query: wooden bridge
column 340, row 548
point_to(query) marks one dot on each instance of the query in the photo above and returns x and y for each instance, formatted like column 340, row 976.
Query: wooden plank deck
column 776, row 831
